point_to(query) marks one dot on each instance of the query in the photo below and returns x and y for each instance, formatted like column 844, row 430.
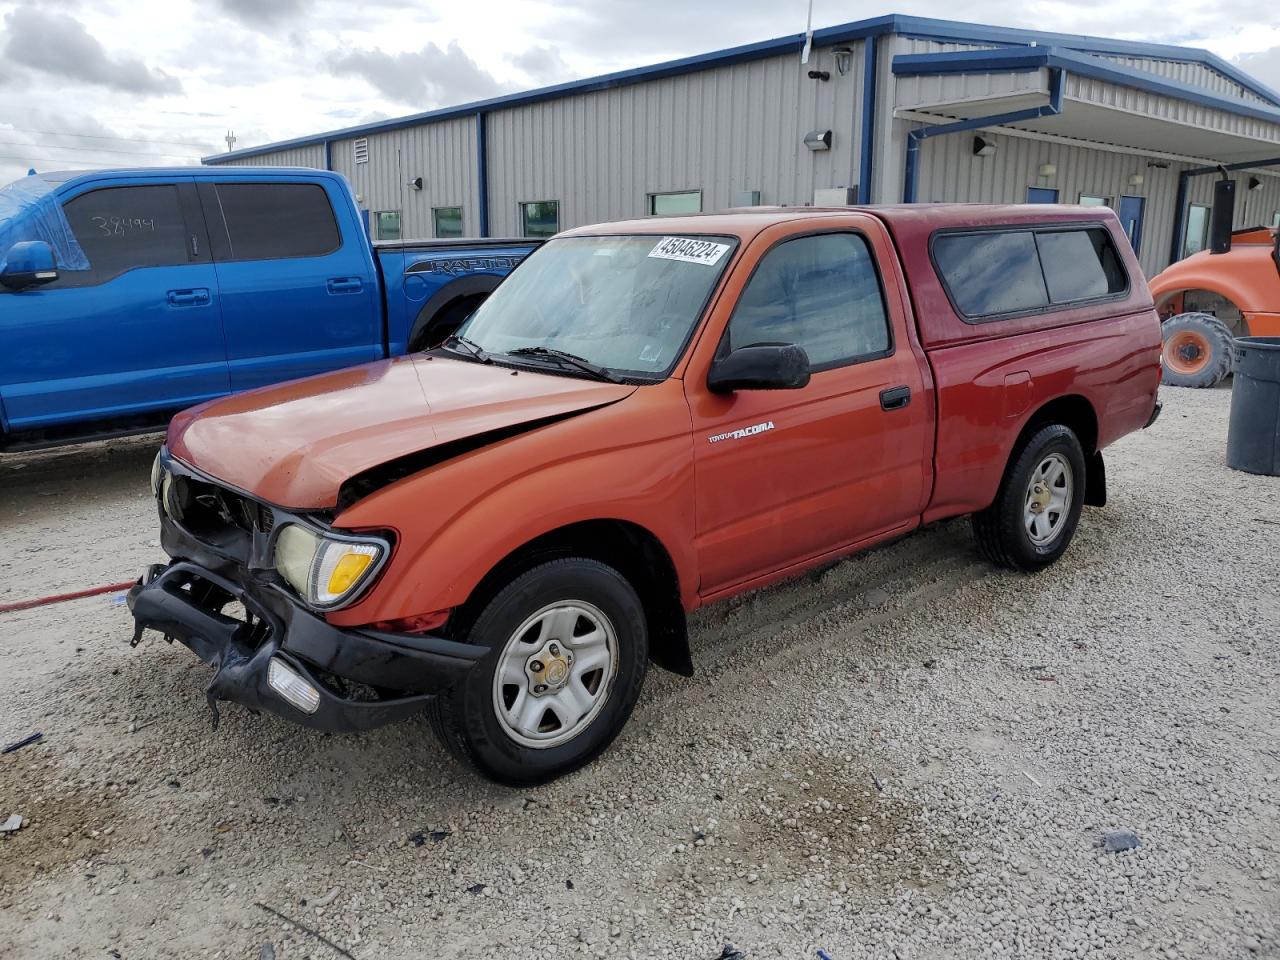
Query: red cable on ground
column 63, row 597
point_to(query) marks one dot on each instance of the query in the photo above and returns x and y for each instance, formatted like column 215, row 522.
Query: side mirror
column 761, row 366
column 1222, row 219
column 28, row 264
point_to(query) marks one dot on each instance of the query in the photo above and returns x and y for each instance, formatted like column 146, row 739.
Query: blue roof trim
column 944, row 30
column 1023, row 59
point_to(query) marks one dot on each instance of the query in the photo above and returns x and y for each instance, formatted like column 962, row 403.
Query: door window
column 447, row 221
column 274, row 221
column 821, row 293
column 123, row 228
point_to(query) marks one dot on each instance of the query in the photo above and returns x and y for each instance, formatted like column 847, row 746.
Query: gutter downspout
column 482, row 173
column 911, row 171
column 1184, row 182
column 867, row 153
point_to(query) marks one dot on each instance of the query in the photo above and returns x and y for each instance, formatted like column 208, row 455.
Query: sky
column 130, row 82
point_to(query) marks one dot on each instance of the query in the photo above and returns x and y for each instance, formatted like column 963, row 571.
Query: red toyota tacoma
column 645, row 417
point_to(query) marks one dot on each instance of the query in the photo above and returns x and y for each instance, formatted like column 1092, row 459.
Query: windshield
column 627, row 304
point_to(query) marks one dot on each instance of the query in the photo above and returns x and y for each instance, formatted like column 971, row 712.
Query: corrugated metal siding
column 1168, row 108
column 719, row 131
column 922, row 91
column 950, row 172
column 1253, row 207
column 1195, row 74
column 310, row 156
column 442, row 154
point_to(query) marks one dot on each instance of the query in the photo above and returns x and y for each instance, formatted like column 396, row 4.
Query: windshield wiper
column 472, row 349
column 569, row 359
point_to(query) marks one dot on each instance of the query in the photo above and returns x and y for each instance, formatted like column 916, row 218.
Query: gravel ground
column 908, row 754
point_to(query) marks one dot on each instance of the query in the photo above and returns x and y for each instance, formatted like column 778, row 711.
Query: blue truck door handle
column 188, row 298
column 345, row 285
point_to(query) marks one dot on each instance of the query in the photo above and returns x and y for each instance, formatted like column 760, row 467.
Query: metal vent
column 360, row 150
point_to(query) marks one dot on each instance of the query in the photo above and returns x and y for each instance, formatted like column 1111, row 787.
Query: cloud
column 429, row 77
column 264, row 13
column 543, row 65
column 58, row 44
column 1264, row 66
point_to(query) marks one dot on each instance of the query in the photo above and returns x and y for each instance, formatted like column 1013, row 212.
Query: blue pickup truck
column 126, row 295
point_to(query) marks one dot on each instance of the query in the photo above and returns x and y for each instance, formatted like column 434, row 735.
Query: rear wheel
column 1034, row 516
column 569, row 650
column 1197, row 350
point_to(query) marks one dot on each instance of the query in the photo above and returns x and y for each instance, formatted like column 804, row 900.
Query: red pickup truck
column 645, row 417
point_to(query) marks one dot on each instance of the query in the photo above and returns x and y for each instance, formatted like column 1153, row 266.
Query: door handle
column 895, row 398
column 188, row 298
column 345, row 285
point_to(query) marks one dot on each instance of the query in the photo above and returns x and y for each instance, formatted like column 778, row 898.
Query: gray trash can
column 1253, row 438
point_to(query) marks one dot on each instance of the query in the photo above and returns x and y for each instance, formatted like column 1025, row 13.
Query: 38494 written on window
column 821, row 293
column 274, row 221
column 998, row 273
column 124, row 228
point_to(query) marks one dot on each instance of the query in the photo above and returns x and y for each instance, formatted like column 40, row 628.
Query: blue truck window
column 123, row 228
column 274, row 221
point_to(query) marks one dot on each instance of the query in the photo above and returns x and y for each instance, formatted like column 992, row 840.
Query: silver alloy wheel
column 555, row 674
column 1048, row 502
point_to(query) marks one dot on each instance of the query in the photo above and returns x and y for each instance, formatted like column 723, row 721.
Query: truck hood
column 294, row 444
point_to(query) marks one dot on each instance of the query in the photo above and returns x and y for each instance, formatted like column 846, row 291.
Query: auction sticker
column 689, row 250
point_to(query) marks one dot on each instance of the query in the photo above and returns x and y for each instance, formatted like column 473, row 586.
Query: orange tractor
column 1230, row 290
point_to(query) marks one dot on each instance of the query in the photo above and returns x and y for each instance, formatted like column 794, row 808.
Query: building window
column 1088, row 201
column 447, row 221
column 674, row 204
column 1196, row 237
column 1275, row 219
column 540, row 218
column 360, row 150
column 387, row 224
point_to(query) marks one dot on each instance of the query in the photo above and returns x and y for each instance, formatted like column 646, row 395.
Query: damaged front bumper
column 240, row 621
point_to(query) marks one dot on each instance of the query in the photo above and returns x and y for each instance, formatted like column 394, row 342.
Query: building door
column 1131, row 219
column 1042, row 195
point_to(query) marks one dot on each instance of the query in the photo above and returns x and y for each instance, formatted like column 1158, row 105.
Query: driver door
column 786, row 476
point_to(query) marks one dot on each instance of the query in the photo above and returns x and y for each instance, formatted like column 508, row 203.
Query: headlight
column 157, row 472
column 326, row 571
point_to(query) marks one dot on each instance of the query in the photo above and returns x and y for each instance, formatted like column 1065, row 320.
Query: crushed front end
column 225, row 596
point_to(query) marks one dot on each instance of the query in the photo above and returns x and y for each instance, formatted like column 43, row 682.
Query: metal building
column 885, row 110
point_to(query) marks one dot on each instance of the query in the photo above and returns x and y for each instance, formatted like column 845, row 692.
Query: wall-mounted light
column 823, row 75
column 844, row 55
column 818, row 140
column 1135, row 179
column 1047, row 170
column 983, row 146
column 1254, row 183
column 416, row 183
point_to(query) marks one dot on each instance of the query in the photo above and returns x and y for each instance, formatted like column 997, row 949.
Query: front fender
column 631, row 461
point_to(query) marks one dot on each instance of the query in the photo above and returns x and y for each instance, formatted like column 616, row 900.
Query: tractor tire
column 1196, row 352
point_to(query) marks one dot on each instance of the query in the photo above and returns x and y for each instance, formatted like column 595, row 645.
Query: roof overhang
column 1091, row 112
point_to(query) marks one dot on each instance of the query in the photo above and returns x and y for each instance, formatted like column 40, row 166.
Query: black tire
column 465, row 718
column 1199, row 344
column 1001, row 529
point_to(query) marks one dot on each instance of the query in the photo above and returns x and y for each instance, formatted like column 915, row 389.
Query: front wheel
column 568, row 654
column 1038, row 505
